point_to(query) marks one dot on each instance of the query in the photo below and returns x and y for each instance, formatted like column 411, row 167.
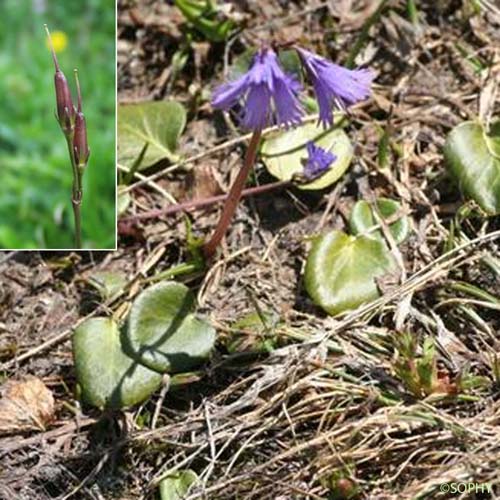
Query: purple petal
column 266, row 90
column 292, row 82
column 309, row 59
column 325, row 104
column 288, row 108
column 318, row 162
column 348, row 86
column 226, row 95
column 334, row 84
column 257, row 107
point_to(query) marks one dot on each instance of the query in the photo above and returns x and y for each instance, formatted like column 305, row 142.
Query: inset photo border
column 58, row 125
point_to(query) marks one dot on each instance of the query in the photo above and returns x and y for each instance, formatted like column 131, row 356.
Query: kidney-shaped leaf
column 157, row 124
column 283, row 151
column 163, row 330
column 362, row 220
column 473, row 159
column 341, row 270
column 107, row 376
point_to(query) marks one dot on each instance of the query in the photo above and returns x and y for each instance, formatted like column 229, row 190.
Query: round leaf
column 107, row 376
column 341, row 270
column 159, row 124
column 473, row 159
column 362, row 220
column 163, row 330
column 283, row 152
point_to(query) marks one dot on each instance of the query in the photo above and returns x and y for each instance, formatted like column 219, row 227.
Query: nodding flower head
column 335, row 85
column 318, row 162
column 269, row 94
column 64, row 103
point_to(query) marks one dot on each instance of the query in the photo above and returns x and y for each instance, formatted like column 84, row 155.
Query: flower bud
column 81, row 149
column 65, row 109
column 64, row 103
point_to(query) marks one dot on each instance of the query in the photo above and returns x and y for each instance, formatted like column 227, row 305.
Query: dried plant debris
column 25, row 405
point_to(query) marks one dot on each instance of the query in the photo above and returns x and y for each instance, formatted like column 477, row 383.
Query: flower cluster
column 272, row 96
column 73, row 125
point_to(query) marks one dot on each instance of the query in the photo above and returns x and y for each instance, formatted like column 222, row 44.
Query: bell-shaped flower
column 269, row 95
column 335, row 85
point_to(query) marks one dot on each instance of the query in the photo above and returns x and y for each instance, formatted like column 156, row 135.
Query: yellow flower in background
column 59, row 39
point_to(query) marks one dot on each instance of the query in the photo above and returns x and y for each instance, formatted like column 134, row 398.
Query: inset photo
column 57, row 125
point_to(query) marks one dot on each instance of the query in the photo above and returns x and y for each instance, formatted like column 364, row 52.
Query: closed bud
column 64, row 103
column 65, row 109
column 81, row 149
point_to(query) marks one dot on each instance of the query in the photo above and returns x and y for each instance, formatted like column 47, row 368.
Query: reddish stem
column 233, row 197
column 204, row 202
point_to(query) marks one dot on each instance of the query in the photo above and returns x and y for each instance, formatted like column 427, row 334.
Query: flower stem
column 233, row 197
column 78, row 230
column 76, row 194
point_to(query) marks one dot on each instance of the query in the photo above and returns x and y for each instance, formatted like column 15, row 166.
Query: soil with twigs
column 295, row 404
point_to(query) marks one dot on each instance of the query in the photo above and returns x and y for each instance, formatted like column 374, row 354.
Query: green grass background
column 35, row 172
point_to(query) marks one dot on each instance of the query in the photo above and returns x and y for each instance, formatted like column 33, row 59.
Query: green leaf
column 473, row 160
column 159, row 124
column 175, row 486
column 283, row 151
column 108, row 283
column 362, row 220
column 205, row 17
column 341, row 270
column 107, row 376
column 163, row 330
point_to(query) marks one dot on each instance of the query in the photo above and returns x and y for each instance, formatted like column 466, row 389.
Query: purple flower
column 270, row 95
column 334, row 84
column 318, row 162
